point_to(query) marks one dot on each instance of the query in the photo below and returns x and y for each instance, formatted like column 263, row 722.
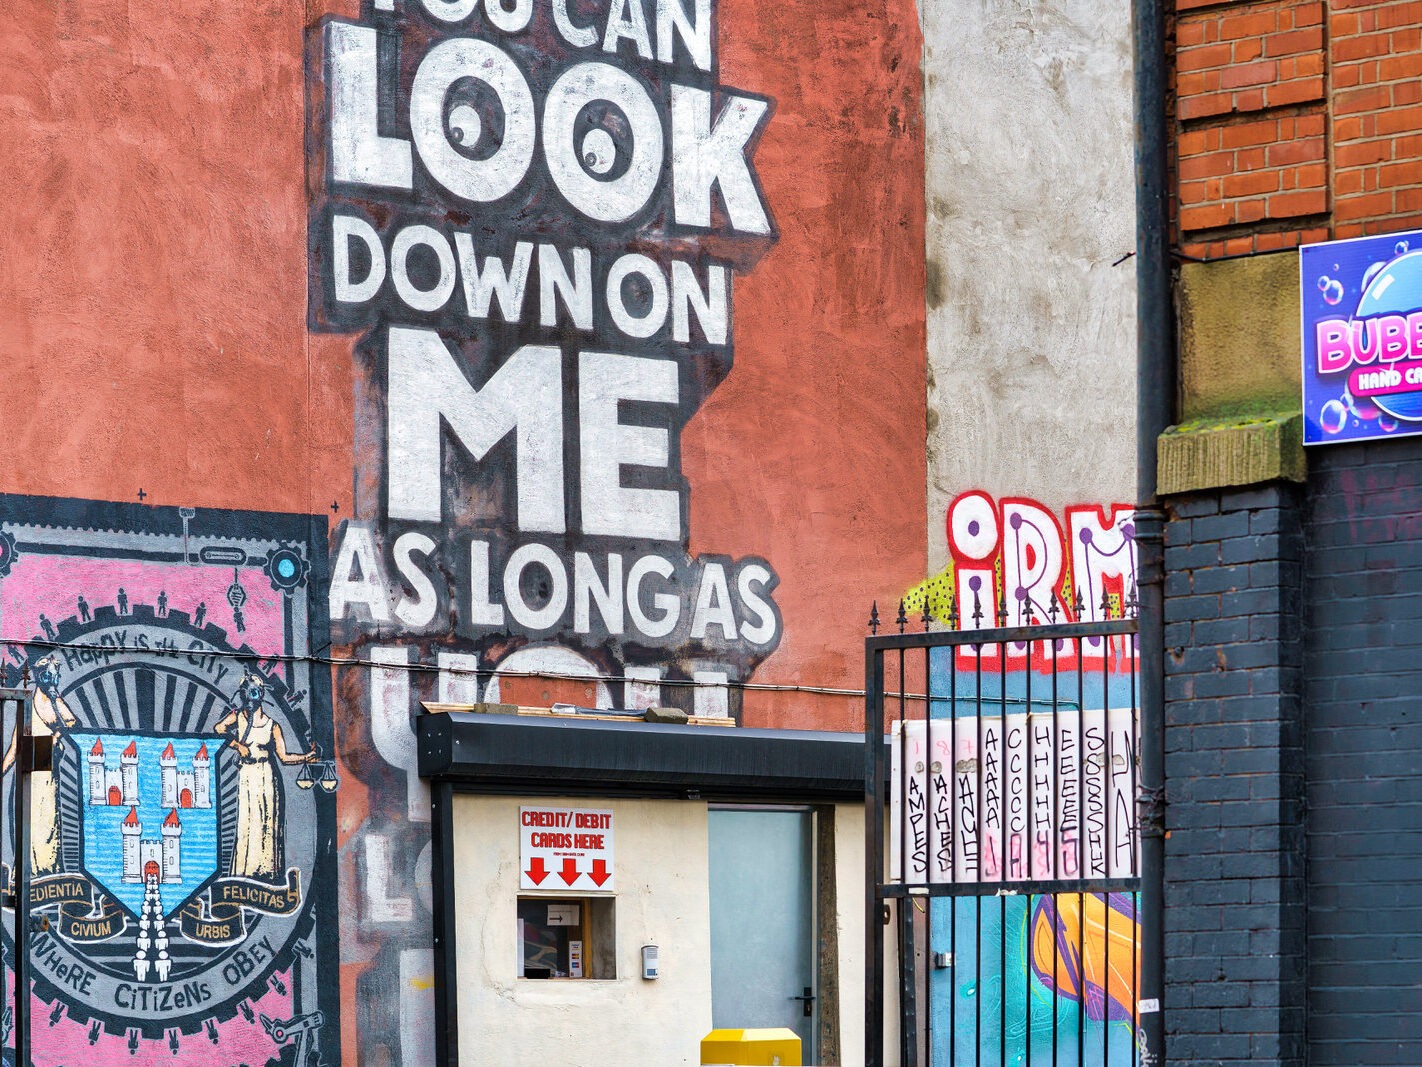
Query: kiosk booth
column 609, row 890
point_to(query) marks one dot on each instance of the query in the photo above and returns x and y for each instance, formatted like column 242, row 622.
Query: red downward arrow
column 536, row 871
column 600, row 873
column 569, row 873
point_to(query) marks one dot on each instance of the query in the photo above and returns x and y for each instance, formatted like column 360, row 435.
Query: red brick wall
column 1298, row 120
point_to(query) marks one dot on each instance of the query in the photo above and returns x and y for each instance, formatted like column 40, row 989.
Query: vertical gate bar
column 1056, row 842
column 908, row 1016
column 1081, row 983
column 19, row 870
column 979, row 813
column 978, row 981
column 22, row 885
column 1003, row 842
column 1002, row 978
column 980, row 748
column 1135, row 970
column 874, row 858
column 1081, row 836
column 7, row 705
column 1110, row 840
column 908, row 981
column 904, row 772
column 1029, row 791
column 928, row 970
column 930, row 801
column 953, row 980
column 23, row 830
column 1135, row 864
column 1027, row 975
column 953, row 852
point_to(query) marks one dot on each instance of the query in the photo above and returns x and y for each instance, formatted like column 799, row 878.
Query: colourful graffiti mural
column 182, row 846
column 1027, row 771
column 1073, row 939
column 1018, row 553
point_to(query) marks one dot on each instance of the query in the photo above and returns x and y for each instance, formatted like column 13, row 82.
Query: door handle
column 808, row 998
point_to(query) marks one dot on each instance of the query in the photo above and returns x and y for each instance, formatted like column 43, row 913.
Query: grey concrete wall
column 1031, row 199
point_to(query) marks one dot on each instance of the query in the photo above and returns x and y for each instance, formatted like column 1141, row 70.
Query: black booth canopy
column 489, row 753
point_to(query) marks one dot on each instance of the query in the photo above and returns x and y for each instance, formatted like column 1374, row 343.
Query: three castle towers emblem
column 151, row 859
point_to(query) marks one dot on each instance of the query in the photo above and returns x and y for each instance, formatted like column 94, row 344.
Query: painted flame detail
column 1089, row 945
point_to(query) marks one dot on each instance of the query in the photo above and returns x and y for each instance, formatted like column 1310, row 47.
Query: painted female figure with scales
column 258, row 740
column 51, row 715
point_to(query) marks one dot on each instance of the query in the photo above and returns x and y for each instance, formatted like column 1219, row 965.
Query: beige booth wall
column 849, row 906
column 661, row 865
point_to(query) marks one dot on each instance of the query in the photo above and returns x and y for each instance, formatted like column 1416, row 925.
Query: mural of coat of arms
column 188, row 815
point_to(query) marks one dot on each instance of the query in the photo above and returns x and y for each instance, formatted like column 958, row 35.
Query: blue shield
column 148, row 813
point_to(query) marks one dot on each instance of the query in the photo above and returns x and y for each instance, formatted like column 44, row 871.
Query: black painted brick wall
column 1363, row 658
column 1234, row 867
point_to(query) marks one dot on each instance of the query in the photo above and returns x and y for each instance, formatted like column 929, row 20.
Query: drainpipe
column 1155, row 394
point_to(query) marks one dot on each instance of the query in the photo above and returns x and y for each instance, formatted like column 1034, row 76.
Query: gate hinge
column 1150, row 812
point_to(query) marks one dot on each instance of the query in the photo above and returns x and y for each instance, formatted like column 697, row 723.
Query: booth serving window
column 566, row 937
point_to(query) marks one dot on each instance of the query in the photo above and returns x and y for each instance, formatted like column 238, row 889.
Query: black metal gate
column 1003, row 851
column 24, row 754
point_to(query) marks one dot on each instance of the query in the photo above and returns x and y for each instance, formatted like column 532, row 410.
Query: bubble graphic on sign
column 1332, row 290
column 1387, row 423
column 1400, row 248
column 1371, row 271
column 1332, row 416
column 1360, row 406
column 1395, row 290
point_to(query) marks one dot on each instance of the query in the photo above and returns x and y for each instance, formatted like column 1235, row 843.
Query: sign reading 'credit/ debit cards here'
column 565, row 848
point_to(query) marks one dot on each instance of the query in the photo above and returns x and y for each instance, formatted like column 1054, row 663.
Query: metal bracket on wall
column 1150, row 811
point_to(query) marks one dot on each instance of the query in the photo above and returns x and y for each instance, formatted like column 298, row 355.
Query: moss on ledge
column 1213, row 453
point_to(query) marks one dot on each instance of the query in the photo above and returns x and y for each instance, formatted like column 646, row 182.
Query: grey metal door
column 762, row 921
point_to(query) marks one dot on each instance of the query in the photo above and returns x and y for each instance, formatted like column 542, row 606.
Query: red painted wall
column 154, row 303
column 153, row 322
column 812, row 452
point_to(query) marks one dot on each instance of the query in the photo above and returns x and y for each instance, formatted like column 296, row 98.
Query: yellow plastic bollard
column 769, row 1046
